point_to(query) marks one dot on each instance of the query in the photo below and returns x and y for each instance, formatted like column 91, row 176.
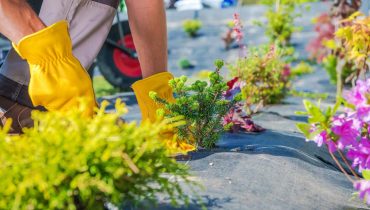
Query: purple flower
column 363, row 187
column 320, row 138
column 360, row 155
column 363, row 114
column 323, row 137
column 346, row 130
column 358, row 95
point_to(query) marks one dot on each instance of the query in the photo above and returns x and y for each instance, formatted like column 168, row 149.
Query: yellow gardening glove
column 159, row 84
column 174, row 145
column 58, row 80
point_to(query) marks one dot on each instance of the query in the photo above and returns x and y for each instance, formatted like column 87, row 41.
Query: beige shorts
column 89, row 25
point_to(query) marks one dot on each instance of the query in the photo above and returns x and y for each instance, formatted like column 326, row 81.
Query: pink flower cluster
column 238, row 29
column 350, row 132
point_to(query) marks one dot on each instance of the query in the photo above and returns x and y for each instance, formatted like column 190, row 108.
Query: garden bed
column 275, row 169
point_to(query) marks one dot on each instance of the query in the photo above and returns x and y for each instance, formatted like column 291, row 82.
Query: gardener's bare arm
column 148, row 26
column 18, row 20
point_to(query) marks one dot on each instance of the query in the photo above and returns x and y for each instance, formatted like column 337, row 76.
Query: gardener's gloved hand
column 159, row 84
column 58, row 80
column 175, row 146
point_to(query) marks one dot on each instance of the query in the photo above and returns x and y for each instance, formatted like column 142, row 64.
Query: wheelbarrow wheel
column 117, row 67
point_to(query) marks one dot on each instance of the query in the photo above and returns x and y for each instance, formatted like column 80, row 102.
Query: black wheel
column 117, row 67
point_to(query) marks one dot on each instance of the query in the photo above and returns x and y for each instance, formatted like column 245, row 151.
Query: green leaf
column 366, row 174
column 301, row 113
column 315, row 113
column 304, row 128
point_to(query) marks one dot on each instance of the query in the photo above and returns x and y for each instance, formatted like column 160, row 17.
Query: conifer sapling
column 202, row 104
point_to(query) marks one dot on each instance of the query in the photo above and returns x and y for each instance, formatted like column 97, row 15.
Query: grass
column 103, row 88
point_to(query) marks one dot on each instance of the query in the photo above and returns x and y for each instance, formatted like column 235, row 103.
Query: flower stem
column 348, row 165
column 341, row 168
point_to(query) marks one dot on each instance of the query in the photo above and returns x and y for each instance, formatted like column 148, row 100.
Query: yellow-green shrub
column 191, row 27
column 70, row 162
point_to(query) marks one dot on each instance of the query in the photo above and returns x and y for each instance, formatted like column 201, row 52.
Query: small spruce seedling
column 203, row 106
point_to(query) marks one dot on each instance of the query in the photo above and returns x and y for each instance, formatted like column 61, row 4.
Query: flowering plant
column 263, row 76
column 234, row 33
column 347, row 133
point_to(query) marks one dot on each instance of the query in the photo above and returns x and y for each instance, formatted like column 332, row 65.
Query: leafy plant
column 351, row 48
column 329, row 46
column 185, row 64
column 68, row 161
column 355, row 35
column 280, row 19
column 202, row 105
column 191, row 27
column 265, row 76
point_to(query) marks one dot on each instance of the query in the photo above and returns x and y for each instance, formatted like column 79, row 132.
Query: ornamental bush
column 202, row 105
column 70, row 162
column 191, row 27
column 265, row 76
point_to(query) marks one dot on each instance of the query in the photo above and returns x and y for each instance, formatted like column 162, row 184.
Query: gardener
column 41, row 72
